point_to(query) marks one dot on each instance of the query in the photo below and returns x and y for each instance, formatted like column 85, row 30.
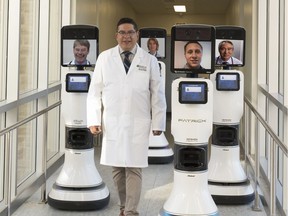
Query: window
column 3, row 48
column 28, row 45
column 2, row 168
column 272, row 82
column 26, row 145
column 54, row 41
column 53, row 130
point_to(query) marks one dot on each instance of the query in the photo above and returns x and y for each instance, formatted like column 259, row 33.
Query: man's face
column 80, row 53
column 126, row 36
column 193, row 55
column 226, row 51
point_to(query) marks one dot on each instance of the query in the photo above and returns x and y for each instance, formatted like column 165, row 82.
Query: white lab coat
column 128, row 101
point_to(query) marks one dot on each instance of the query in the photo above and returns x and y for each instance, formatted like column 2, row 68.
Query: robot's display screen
column 192, row 92
column 153, row 40
column 192, row 49
column 79, row 45
column 77, row 82
column 227, row 81
column 230, row 46
column 79, row 52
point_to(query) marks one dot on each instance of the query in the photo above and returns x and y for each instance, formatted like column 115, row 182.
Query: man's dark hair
column 127, row 20
column 190, row 42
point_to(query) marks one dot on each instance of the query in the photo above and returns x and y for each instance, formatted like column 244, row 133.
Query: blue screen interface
column 228, row 82
column 77, row 83
column 193, row 92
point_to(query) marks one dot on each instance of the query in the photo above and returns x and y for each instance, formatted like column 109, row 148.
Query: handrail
column 275, row 141
column 267, row 127
column 6, row 132
column 26, row 120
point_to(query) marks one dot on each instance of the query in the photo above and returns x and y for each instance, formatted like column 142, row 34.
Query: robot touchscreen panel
column 77, row 82
column 192, row 92
column 227, row 82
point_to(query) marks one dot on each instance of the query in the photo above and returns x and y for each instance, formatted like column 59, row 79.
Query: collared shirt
column 131, row 56
column 231, row 61
column 86, row 62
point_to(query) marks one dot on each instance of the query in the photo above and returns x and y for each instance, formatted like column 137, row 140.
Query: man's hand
column 95, row 130
column 156, row 133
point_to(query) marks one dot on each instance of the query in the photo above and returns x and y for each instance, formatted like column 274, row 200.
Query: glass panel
column 281, row 47
column 53, row 130
column 3, row 48
column 280, row 167
column 26, row 148
column 28, row 46
column 54, row 41
column 281, row 125
column 2, row 120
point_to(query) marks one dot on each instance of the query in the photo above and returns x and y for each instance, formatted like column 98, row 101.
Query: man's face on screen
column 193, row 55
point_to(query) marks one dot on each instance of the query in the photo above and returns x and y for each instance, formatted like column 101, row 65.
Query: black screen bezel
column 199, row 33
column 237, row 88
column 74, row 32
column 236, row 34
column 71, row 90
column 205, row 93
column 158, row 33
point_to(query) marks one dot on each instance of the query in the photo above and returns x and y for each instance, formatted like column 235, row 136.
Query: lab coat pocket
column 141, row 80
column 110, row 129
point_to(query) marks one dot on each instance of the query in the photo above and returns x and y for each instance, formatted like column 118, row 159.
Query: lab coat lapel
column 136, row 61
column 118, row 61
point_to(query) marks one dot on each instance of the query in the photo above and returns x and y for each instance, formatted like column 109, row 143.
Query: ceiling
column 193, row 7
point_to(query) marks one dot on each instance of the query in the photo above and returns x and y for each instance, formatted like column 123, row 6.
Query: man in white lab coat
column 131, row 100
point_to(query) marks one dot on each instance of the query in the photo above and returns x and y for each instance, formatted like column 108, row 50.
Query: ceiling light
column 179, row 8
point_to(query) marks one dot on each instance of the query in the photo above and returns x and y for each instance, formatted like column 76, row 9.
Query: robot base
column 79, row 186
column 227, row 181
column 159, row 150
column 189, row 196
column 79, row 199
column 232, row 193
column 225, row 165
column 163, row 213
column 160, row 155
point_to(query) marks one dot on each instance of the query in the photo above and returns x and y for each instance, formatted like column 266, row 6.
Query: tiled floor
column 157, row 185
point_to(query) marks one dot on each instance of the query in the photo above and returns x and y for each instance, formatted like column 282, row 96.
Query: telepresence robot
column 159, row 151
column 228, row 182
column 79, row 185
column 191, row 127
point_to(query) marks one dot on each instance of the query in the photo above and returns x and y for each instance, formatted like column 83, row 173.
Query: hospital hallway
column 222, row 67
column 157, row 185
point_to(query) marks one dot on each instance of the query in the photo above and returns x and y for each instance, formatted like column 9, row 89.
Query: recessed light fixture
column 179, row 8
